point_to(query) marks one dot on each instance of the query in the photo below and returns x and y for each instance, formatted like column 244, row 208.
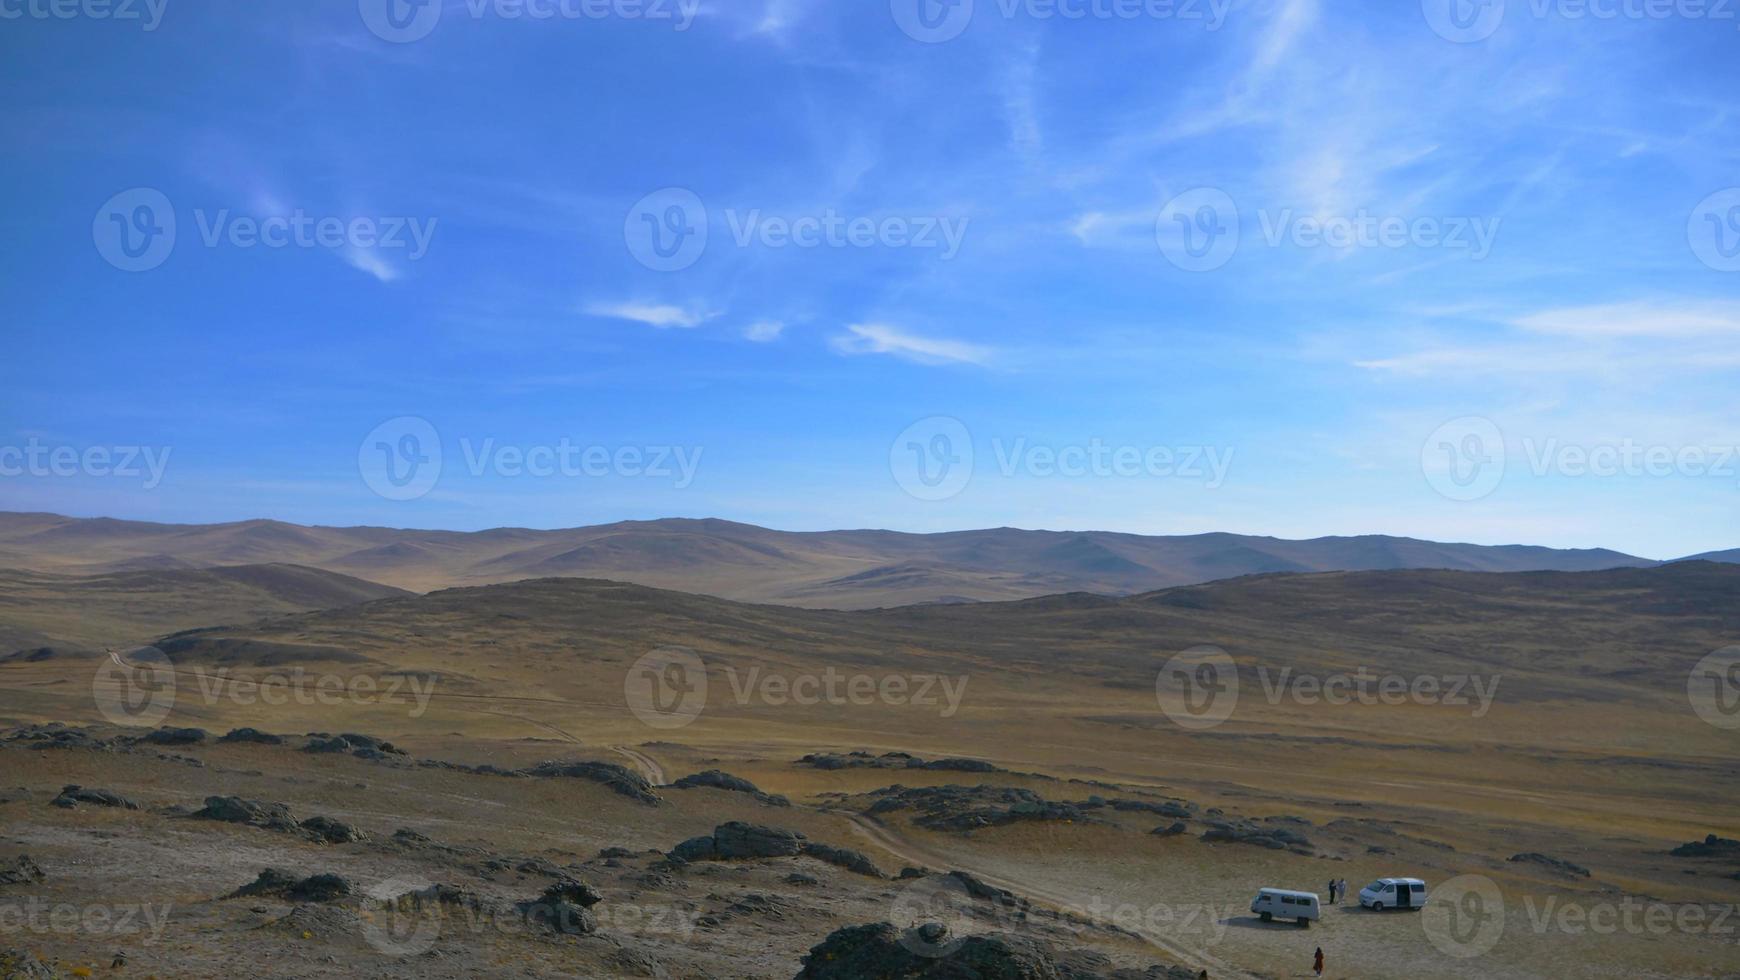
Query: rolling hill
column 826, row 569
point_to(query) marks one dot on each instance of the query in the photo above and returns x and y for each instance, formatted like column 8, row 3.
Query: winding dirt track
column 649, row 768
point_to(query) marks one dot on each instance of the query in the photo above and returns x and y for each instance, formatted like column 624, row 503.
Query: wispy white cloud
column 877, row 338
column 661, row 315
column 370, row 261
column 1641, row 319
column 764, row 331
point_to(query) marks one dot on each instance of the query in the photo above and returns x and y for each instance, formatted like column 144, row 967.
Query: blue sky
column 1012, row 248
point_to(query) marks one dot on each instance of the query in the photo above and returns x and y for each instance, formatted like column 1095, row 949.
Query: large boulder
column 330, row 831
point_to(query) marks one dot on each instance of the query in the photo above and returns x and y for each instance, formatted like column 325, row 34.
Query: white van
column 1271, row 903
column 1393, row 893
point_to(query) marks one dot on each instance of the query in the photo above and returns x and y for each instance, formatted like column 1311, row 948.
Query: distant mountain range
column 826, row 569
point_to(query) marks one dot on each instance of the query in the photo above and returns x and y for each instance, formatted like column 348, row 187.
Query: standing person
column 1332, row 891
column 1318, row 963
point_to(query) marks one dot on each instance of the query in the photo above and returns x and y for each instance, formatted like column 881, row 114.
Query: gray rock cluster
column 717, row 779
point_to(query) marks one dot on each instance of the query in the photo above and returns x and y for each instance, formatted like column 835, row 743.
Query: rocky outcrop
column 174, row 736
column 251, row 735
column 842, row 857
column 278, row 883
column 18, row 964
column 736, row 839
column 882, row 951
column 1269, row 836
column 717, row 779
column 969, row 808
column 71, row 796
column 21, row 870
column 234, row 809
column 892, row 760
column 1710, row 847
column 565, row 907
column 1556, row 865
column 618, row 779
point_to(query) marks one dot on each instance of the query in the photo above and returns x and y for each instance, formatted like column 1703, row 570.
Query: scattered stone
column 1551, row 863
column 909, row 872
column 799, row 878
column 17, row 964
column 253, row 735
column 21, row 871
column 616, row 852
column 72, row 795
column 1178, row 827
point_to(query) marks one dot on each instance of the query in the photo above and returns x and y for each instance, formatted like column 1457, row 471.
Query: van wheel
column 1266, row 917
column 1377, row 906
column 1304, row 923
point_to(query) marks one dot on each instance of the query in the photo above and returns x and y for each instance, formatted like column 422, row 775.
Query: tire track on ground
column 918, row 854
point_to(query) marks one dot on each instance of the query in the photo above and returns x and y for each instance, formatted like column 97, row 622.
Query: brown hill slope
column 827, row 569
column 86, row 613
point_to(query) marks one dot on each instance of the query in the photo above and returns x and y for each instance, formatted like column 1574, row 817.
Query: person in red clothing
column 1318, row 964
